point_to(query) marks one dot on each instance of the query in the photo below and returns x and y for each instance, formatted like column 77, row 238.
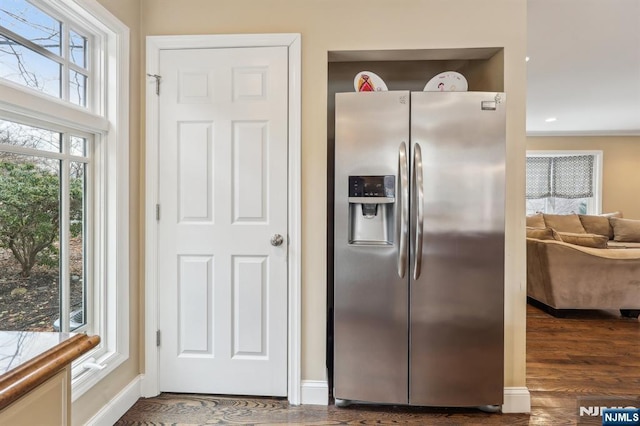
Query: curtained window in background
column 562, row 183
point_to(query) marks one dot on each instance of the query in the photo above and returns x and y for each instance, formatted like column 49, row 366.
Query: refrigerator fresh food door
column 370, row 293
column 456, row 293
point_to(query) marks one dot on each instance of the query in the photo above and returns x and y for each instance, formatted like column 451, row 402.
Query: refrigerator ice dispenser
column 371, row 209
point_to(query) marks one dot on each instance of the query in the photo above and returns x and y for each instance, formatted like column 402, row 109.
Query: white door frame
column 150, row 384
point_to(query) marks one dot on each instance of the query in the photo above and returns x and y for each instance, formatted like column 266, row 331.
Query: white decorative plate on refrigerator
column 367, row 81
column 448, row 81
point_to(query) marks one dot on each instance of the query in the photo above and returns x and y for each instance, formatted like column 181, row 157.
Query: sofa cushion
column 535, row 221
column 564, row 223
column 585, row 240
column 620, row 245
column 614, row 214
column 596, row 225
column 541, row 233
column 625, row 230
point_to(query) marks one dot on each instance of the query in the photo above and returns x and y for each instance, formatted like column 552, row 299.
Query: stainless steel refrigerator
column 419, row 248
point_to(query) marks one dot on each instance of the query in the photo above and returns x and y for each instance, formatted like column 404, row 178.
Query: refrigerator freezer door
column 456, row 304
column 370, row 297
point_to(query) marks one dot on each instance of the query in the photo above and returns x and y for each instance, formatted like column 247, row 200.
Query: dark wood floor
column 587, row 354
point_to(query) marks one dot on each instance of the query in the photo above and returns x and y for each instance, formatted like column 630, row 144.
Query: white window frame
column 106, row 117
column 595, row 206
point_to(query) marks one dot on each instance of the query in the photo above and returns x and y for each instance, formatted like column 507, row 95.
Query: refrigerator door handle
column 419, row 201
column 404, row 209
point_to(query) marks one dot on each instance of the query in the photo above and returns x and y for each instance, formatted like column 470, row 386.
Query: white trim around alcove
column 516, row 400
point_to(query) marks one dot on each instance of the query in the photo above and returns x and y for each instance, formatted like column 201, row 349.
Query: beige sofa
column 570, row 268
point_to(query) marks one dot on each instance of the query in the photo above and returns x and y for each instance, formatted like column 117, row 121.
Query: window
column 64, row 176
column 564, row 182
column 43, row 52
column 44, row 219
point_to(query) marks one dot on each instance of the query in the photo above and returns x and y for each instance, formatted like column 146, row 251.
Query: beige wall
column 87, row 405
column 328, row 25
column 620, row 171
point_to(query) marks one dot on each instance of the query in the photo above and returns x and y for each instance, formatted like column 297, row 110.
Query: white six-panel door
column 222, row 285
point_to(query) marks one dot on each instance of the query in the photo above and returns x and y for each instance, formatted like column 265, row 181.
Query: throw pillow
column 626, row 230
column 564, row 223
column 535, row 221
column 586, row 240
column 596, row 225
column 540, row 233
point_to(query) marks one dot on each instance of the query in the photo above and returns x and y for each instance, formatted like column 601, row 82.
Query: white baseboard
column 314, row 392
column 114, row 409
column 516, row 400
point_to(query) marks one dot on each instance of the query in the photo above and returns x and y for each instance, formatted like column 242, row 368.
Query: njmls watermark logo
column 609, row 411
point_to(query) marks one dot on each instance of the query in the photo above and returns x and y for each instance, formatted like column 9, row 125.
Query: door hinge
column 157, row 337
column 157, row 77
column 157, row 211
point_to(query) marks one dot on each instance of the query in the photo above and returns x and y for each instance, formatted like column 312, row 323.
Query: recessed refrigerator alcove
column 408, row 71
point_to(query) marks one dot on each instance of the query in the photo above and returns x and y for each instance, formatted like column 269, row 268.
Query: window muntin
column 32, row 53
column 45, row 218
column 79, row 280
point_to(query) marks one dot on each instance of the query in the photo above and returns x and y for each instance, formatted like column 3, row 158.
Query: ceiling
column 584, row 67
